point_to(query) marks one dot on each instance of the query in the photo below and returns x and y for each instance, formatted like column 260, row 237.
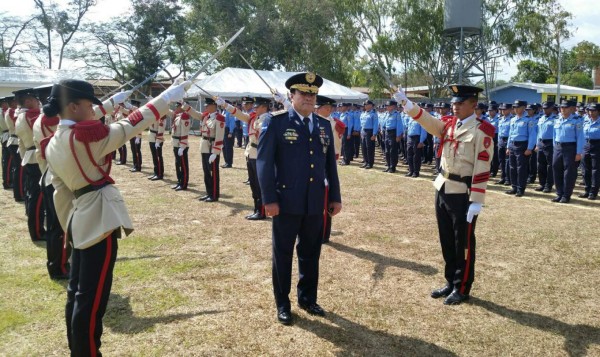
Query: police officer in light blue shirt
column 545, row 147
column 416, row 136
column 493, row 117
column 347, row 144
column 369, row 124
column 568, row 150
column 521, row 142
column 356, row 129
column 393, row 127
column 228, row 139
column 503, row 132
column 532, row 110
column 591, row 150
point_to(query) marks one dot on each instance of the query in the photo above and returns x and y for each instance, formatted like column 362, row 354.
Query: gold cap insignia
column 310, row 77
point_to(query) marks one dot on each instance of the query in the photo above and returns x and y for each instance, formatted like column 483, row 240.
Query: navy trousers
column 503, row 162
column 57, row 249
column 228, row 143
column 414, row 154
column 33, row 202
column 347, row 147
column 391, row 149
column 308, row 231
column 564, row 167
column 182, row 167
column 544, row 163
column 519, row 165
column 591, row 160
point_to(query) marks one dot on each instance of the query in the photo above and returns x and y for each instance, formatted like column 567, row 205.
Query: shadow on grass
column 151, row 256
column 577, row 337
column 120, row 318
column 355, row 339
column 382, row 262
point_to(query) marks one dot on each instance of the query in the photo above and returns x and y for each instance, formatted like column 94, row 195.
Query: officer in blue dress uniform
column 568, row 150
column 416, row 136
column 393, row 127
column 369, row 124
column 296, row 167
column 532, row 110
column 545, row 147
column 591, row 149
column 503, row 132
column 347, row 118
column 521, row 142
column 356, row 112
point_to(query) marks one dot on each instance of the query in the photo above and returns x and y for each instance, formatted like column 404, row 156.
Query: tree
column 12, row 38
column 64, row 22
column 532, row 71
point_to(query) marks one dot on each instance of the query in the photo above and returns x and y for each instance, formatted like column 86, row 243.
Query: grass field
column 195, row 278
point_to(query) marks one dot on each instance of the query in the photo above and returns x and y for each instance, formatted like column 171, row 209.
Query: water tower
column 463, row 39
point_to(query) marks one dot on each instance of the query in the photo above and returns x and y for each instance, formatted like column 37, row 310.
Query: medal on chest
column 324, row 139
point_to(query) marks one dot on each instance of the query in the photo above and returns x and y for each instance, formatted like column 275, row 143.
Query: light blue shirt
column 569, row 130
column 591, row 129
column 522, row 129
column 546, row 127
column 369, row 120
column 414, row 128
column 393, row 121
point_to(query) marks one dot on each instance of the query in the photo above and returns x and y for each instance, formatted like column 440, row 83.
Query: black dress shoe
column 511, row 192
column 539, row 188
column 368, row 167
column 392, row 170
column 363, row 166
column 204, row 198
column 416, row 174
column 501, row 182
column 592, row 196
column 455, row 298
column 583, row 195
column 181, row 188
column 120, row 163
column 386, row 170
column 134, row 170
column 442, row 292
column 60, row 277
column 210, row 199
column 507, row 183
column 313, row 309
column 174, row 187
column 256, row 217
column 151, row 177
column 547, row 190
column 285, row 317
column 519, row 193
column 156, row 178
column 226, row 166
column 409, row 174
column 564, row 199
column 556, row 199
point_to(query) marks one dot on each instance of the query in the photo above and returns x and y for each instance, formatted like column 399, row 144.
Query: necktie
column 306, row 123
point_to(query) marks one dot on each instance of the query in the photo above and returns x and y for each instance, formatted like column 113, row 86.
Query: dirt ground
column 195, row 278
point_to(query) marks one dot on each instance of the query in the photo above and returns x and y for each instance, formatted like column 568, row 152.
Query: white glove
column 279, row 98
column 176, row 92
column 212, row 158
column 220, row 101
column 401, row 98
column 180, row 152
column 127, row 105
column 474, row 209
column 157, row 145
column 138, row 141
column 120, row 97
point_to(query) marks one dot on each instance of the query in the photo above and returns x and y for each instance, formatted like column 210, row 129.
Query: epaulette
column 486, row 127
column 220, row 117
column 90, row 131
column 279, row 112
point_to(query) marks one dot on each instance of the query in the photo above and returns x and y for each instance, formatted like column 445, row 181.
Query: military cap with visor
column 306, row 82
column 461, row 92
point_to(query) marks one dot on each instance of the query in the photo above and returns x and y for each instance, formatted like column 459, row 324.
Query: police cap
column 306, row 82
column 481, row 106
column 530, row 107
column 460, row 92
column 368, row 101
column 494, row 106
column 323, row 100
column 505, row 106
column 246, row 100
column 520, row 103
column 568, row 103
column 391, row 102
column 445, row 105
column 548, row 105
column 593, row 106
column 208, row 101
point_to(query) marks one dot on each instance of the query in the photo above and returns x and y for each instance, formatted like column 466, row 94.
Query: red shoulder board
column 90, row 131
column 486, row 127
column 44, row 144
column 220, row 118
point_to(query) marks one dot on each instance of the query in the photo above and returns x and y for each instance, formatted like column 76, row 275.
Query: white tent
column 233, row 83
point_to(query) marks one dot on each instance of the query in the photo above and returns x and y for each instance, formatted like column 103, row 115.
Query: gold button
column 310, row 139
column 283, row 186
column 312, row 166
column 311, row 152
column 311, row 179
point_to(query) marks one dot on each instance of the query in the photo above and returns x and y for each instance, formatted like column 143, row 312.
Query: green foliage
column 531, row 71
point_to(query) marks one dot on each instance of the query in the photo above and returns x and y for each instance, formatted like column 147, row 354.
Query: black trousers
column 591, row 161
column 245, row 140
column 87, row 295
column 564, row 168
column 402, row 148
column 347, row 147
column 228, row 147
column 438, row 158
column 391, row 149
column 544, row 160
column 33, row 202
column 6, row 183
column 428, row 149
column 306, row 230
column 254, row 185
column 57, row 249
column 157, row 159
column 368, row 146
column 16, row 173
column 136, row 152
column 495, row 160
column 211, row 176
column 503, row 161
column 238, row 133
column 414, row 154
column 182, row 167
column 123, row 155
column 533, row 169
column 357, row 141
column 518, row 165
column 457, row 238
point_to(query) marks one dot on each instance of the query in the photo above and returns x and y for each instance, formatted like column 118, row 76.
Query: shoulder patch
column 90, row 131
column 279, row 112
column 486, row 127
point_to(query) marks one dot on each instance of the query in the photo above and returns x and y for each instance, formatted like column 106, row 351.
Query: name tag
column 290, row 134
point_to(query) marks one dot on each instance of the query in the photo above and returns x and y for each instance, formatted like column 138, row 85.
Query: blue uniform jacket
column 356, row 116
column 348, row 119
column 414, row 128
column 504, row 126
column 292, row 164
column 522, row 129
column 569, row 130
column 229, row 121
column 393, row 121
column 546, row 127
column 369, row 120
column 591, row 129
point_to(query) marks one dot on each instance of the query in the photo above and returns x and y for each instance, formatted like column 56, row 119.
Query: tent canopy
column 233, row 83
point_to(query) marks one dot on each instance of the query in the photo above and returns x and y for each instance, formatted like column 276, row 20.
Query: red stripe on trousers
column 63, row 259
column 37, row 216
column 98, row 296
column 214, row 175
column 467, row 259
column 184, row 170
column 325, row 210
column 8, row 166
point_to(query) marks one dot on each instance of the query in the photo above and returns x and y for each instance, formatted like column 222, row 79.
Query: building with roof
column 538, row 93
column 15, row 78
